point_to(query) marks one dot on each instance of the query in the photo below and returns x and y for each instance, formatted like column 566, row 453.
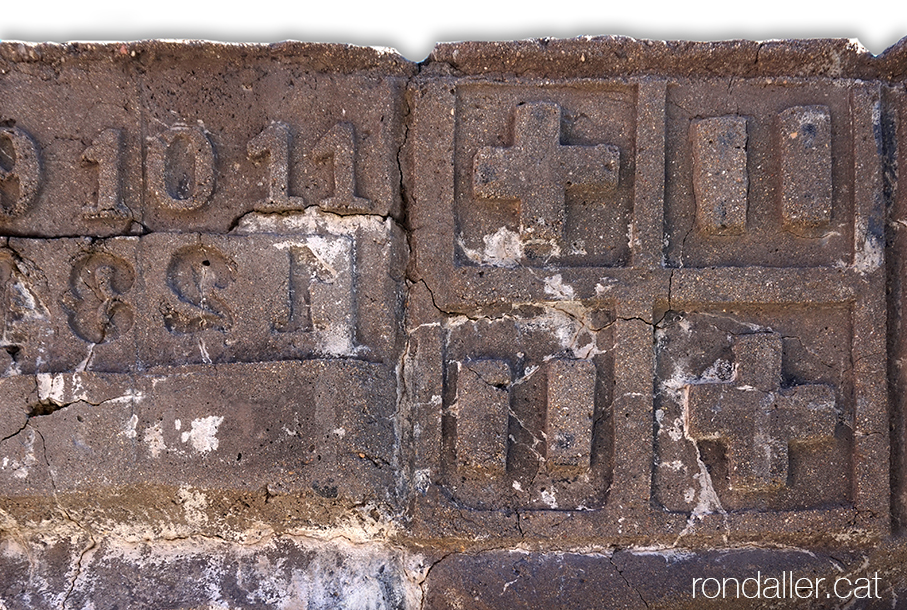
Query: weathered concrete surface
column 537, row 324
column 196, row 572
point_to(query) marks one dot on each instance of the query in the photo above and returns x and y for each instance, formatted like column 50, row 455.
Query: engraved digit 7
column 305, row 268
column 105, row 153
column 194, row 274
column 20, row 171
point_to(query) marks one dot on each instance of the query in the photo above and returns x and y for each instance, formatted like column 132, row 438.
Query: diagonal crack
column 635, row 590
column 92, row 543
column 424, row 580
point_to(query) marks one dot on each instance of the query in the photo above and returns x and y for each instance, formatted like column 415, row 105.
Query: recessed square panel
column 754, row 409
column 527, row 417
column 545, row 174
column 759, row 173
column 71, row 148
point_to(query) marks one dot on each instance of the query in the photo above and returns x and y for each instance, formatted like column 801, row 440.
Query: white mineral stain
column 337, row 340
column 675, row 386
column 549, row 499
column 555, row 286
column 203, row 434
column 632, row 236
column 332, row 320
column 335, row 574
column 673, row 465
column 503, row 248
column 82, row 366
column 331, row 251
column 129, row 396
column 675, row 431
column 51, row 387
column 422, row 479
column 27, row 304
column 154, row 438
column 315, row 221
column 708, row 501
column 21, row 469
column 718, row 372
column 194, row 504
column 203, row 350
column 129, row 428
column 670, row 555
column 871, row 255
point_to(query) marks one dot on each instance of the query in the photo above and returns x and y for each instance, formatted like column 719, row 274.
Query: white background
column 413, row 27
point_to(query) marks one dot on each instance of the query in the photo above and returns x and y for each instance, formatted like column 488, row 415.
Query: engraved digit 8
column 94, row 302
column 20, row 171
column 194, row 274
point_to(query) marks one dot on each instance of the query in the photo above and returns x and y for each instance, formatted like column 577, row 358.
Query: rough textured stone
column 194, row 573
column 537, row 324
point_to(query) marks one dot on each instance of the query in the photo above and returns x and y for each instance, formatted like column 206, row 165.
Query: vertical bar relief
column 483, row 413
column 805, row 148
column 571, row 406
column 720, row 179
column 649, row 194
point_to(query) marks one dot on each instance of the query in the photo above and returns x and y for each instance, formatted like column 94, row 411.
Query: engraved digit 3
column 105, row 152
column 94, row 303
column 20, row 171
column 194, row 275
column 176, row 183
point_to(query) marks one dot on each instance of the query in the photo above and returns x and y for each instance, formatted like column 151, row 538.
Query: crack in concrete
column 17, row 432
column 92, row 544
column 626, row 580
column 423, row 582
column 68, row 518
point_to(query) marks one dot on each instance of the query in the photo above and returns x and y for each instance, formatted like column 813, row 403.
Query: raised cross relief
column 755, row 418
column 537, row 171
